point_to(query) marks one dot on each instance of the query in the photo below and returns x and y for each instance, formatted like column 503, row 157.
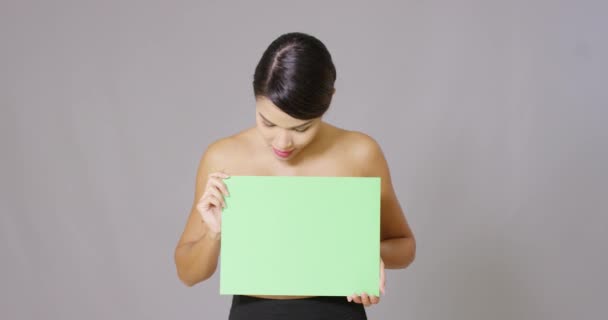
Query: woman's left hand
column 366, row 299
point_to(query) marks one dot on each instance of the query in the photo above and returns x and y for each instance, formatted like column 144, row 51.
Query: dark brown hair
column 297, row 74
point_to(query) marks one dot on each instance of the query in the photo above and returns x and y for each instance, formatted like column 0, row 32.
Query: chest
column 327, row 167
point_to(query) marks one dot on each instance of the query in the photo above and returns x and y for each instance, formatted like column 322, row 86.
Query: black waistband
column 313, row 308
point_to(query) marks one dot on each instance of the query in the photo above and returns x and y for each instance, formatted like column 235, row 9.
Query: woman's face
column 284, row 135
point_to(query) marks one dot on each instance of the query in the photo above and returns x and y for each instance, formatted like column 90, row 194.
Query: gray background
column 491, row 115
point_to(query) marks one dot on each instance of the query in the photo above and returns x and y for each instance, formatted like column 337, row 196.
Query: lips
column 281, row 153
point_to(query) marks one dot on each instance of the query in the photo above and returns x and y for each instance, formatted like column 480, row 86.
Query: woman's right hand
column 212, row 202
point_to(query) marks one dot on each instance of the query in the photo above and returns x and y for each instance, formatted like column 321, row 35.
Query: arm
column 398, row 245
column 197, row 251
column 196, row 260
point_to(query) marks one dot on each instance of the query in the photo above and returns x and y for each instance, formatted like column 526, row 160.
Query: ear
column 334, row 91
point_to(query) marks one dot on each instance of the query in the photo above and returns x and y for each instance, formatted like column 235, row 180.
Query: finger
column 217, row 183
column 205, row 203
column 223, row 172
column 349, row 298
column 219, row 175
column 374, row 299
column 356, row 298
column 365, row 299
column 211, row 199
column 213, row 191
column 220, row 185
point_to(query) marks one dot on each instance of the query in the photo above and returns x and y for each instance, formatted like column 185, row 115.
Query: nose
column 283, row 140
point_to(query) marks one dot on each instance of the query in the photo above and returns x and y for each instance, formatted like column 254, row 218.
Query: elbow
column 410, row 252
column 188, row 282
column 184, row 278
column 189, row 279
column 408, row 255
column 398, row 253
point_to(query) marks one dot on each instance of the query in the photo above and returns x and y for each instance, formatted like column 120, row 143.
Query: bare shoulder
column 221, row 154
column 362, row 151
column 362, row 146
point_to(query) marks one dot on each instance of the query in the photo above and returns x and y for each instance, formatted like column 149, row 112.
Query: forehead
column 275, row 115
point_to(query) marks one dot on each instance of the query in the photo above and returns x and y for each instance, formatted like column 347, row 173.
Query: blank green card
column 301, row 236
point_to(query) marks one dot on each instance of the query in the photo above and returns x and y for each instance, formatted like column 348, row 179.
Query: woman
column 293, row 86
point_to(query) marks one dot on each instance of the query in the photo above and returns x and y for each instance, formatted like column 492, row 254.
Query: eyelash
column 301, row 130
column 297, row 130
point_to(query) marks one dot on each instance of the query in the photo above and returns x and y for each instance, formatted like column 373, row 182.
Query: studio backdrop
column 491, row 115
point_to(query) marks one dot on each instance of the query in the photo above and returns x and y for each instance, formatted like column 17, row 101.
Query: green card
column 317, row 236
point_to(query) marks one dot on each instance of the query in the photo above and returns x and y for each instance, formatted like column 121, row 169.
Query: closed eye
column 301, row 129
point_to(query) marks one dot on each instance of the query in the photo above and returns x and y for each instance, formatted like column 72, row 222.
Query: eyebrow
column 296, row 127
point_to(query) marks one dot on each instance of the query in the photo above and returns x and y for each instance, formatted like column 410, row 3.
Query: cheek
column 304, row 139
column 265, row 133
